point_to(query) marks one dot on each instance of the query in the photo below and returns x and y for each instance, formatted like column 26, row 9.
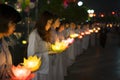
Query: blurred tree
column 72, row 12
column 76, row 13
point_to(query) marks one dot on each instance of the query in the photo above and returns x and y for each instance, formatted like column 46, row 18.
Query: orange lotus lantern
column 20, row 72
column 59, row 46
column 80, row 36
column 33, row 63
column 91, row 30
column 87, row 32
column 82, row 33
column 96, row 31
column 74, row 35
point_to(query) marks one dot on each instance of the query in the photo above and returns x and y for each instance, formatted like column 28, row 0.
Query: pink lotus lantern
column 70, row 40
column 20, row 72
column 33, row 63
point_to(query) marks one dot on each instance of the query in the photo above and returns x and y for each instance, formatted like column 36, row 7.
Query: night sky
column 103, row 5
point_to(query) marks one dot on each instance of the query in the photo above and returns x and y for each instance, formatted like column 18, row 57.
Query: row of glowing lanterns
column 24, row 70
column 59, row 47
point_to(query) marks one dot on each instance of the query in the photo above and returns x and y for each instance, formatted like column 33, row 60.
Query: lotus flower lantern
column 33, row 63
column 20, row 72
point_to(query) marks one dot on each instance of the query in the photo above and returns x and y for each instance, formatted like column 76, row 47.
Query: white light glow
column 80, row 3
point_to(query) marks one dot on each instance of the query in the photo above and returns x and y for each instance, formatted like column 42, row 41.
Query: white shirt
column 36, row 46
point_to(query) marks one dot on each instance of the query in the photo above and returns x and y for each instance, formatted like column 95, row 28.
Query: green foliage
column 72, row 13
column 54, row 6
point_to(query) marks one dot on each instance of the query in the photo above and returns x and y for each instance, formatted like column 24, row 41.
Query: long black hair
column 41, row 23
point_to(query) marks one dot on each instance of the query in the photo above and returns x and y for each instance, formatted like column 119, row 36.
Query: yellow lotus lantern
column 59, row 46
column 74, row 35
column 91, row 30
column 33, row 63
column 20, row 72
column 87, row 32
column 94, row 29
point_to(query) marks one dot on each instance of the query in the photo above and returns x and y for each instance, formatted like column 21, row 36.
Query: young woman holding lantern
column 9, row 17
column 39, row 44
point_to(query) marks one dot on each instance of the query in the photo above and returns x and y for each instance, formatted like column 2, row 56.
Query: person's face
column 62, row 27
column 11, row 28
column 57, row 23
column 67, row 25
column 48, row 25
column 72, row 25
column 78, row 26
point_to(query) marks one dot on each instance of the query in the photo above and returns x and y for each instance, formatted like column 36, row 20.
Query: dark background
column 103, row 5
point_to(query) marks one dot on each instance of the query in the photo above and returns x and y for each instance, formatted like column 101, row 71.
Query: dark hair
column 55, row 18
column 7, row 14
column 41, row 23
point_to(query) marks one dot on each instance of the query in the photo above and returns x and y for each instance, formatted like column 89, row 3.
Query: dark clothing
column 103, row 36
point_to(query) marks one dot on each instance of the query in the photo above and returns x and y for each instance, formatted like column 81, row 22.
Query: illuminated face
column 62, row 27
column 57, row 23
column 78, row 26
column 48, row 25
column 67, row 25
column 11, row 28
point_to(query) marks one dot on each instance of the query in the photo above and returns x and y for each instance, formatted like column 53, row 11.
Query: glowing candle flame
column 80, row 36
column 82, row 33
column 70, row 40
column 91, row 30
column 96, row 31
column 98, row 28
column 87, row 32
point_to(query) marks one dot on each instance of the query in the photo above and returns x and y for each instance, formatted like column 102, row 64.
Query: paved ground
column 98, row 63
